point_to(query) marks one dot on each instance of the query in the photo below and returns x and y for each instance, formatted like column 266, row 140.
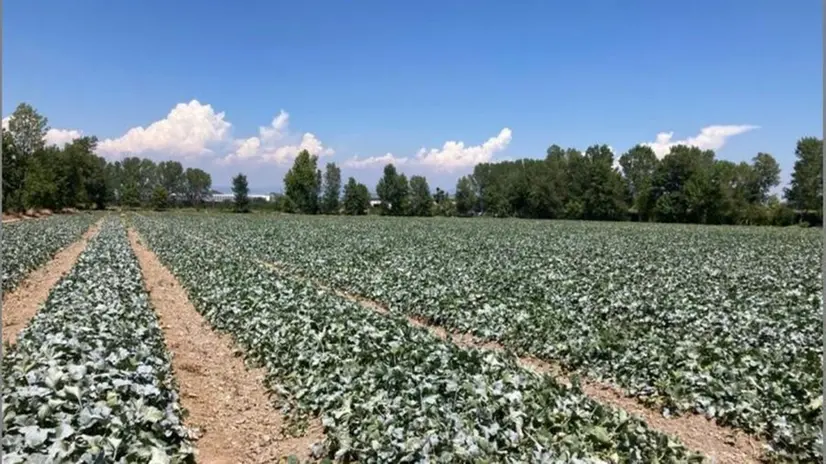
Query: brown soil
column 34, row 214
column 22, row 303
column 10, row 217
column 38, row 213
column 227, row 402
column 722, row 445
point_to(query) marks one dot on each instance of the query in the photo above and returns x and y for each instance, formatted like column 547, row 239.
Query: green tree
column 198, row 186
column 14, row 172
column 113, row 173
column 356, row 198
column 638, row 167
column 332, row 189
column 446, row 209
column 131, row 197
column 302, row 183
column 139, row 176
column 160, row 198
column 148, row 176
column 780, row 214
column 241, row 189
column 444, row 205
column 679, row 183
column 542, row 198
column 130, row 181
column 699, row 193
column 687, row 185
column 465, row 196
column 440, row 196
column 284, row 204
column 805, row 191
column 604, row 194
column 577, row 179
column 729, row 193
column 766, row 176
column 556, row 160
column 490, row 185
column 170, row 175
column 97, row 187
column 41, row 181
column 78, row 171
column 28, row 128
column 393, row 191
column 70, row 177
column 421, row 203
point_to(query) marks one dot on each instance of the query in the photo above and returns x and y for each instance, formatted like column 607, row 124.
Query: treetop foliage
column 241, row 189
column 37, row 176
column 687, row 185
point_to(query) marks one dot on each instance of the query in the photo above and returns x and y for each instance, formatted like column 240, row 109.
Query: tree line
column 687, row 185
column 41, row 176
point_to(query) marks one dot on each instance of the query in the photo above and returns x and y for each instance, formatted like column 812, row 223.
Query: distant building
column 222, row 197
column 375, row 202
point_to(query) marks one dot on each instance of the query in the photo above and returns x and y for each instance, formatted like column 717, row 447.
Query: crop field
column 29, row 244
column 388, row 392
column 89, row 378
column 723, row 322
column 720, row 321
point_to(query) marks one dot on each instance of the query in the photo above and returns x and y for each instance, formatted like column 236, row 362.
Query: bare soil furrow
column 21, row 304
column 226, row 401
column 722, row 445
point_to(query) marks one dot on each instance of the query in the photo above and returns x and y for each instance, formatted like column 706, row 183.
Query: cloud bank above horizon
column 59, row 137
column 195, row 130
column 709, row 138
column 453, row 155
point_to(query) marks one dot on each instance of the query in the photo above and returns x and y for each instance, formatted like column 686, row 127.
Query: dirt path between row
column 21, row 304
column 31, row 214
column 226, row 401
column 722, row 445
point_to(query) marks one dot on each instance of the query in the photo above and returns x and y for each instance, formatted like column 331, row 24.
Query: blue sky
column 371, row 77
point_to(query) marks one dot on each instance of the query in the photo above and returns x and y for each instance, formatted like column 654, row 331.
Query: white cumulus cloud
column 274, row 144
column 190, row 129
column 452, row 155
column 709, row 138
column 374, row 161
column 59, row 137
column 194, row 129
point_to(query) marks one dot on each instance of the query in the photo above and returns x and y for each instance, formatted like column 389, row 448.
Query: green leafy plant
column 89, row 380
column 29, row 244
column 385, row 390
column 720, row 321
